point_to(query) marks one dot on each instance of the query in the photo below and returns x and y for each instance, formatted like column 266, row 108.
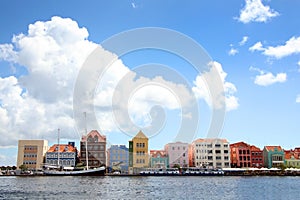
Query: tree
column 23, row 167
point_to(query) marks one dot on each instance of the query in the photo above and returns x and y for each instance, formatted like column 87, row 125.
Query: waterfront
column 106, row 187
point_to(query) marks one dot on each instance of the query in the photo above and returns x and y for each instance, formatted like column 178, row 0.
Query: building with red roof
column 273, row 156
column 159, row 159
column 240, row 154
column 256, row 156
column 292, row 157
column 62, row 155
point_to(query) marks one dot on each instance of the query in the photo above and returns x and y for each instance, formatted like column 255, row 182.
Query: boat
column 70, row 171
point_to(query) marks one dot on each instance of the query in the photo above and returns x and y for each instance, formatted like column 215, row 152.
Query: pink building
column 178, row 154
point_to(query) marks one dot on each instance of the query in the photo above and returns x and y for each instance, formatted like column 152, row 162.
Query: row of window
column 30, row 155
column 140, row 161
column 244, row 151
column 140, row 145
column 61, row 155
column 93, row 147
column 211, row 151
column 62, row 162
column 30, row 148
column 218, row 164
column 32, row 162
column 95, row 155
column 211, row 145
column 178, row 148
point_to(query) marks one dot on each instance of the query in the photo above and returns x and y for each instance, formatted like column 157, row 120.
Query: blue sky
column 255, row 42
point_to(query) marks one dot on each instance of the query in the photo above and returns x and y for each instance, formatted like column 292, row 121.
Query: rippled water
column 149, row 187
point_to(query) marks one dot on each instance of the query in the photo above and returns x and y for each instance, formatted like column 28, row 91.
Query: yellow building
column 138, row 153
column 31, row 153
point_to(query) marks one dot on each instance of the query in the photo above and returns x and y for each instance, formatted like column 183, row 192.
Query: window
column 218, row 157
column 225, row 151
column 218, row 151
column 217, row 145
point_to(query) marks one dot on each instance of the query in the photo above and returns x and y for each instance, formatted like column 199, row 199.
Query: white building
column 212, row 153
column 178, row 154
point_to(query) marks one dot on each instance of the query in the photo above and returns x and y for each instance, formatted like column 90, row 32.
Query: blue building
column 273, row 156
column 118, row 158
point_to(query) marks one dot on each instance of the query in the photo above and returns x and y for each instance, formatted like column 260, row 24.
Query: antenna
column 58, row 147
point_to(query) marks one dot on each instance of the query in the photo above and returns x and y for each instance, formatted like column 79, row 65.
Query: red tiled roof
column 254, row 148
column 288, row 154
column 62, row 148
column 239, row 144
column 272, row 148
column 155, row 153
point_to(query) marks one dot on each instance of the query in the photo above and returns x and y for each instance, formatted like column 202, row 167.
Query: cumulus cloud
column 292, row 46
column 243, row 41
column 267, row 78
column 232, row 52
column 40, row 101
column 255, row 11
column 201, row 89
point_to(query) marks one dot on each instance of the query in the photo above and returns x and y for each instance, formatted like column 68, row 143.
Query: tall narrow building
column 96, row 148
column 138, row 153
column 31, row 153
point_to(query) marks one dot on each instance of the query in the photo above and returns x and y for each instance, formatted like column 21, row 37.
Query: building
column 240, row 155
column 31, row 153
column 211, row 153
column 118, row 158
column 273, row 156
column 178, row 154
column 138, row 153
column 159, row 159
column 62, row 155
column 96, row 148
column 256, row 156
column 292, row 158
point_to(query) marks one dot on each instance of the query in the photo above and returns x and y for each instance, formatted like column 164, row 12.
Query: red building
column 256, row 156
column 240, row 155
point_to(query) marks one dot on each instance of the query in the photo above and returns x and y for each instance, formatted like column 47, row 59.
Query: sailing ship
column 59, row 170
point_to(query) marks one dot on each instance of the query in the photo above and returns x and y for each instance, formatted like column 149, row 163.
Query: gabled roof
column 93, row 134
column 62, row 148
column 140, row 135
column 240, row 145
column 254, row 148
column 289, row 154
column 272, row 148
column 155, row 153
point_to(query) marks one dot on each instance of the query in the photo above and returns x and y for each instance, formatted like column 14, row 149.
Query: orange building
column 240, row 154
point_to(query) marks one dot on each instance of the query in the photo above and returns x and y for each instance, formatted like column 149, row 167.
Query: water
column 150, row 187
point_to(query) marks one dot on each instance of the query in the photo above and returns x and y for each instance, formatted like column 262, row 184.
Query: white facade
column 178, row 154
column 211, row 153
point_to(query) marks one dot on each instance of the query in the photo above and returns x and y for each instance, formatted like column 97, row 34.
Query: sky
column 253, row 45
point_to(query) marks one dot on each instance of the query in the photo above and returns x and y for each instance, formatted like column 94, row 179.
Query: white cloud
column 201, row 89
column 255, row 11
column 133, row 5
column 267, row 78
column 243, row 41
column 233, row 51
column 298, row 98
column 292, row 46
column 36, row 104
column 256, row 47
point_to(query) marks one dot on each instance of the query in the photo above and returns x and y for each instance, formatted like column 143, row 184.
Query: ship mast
column 58, row 147
column 86, row 151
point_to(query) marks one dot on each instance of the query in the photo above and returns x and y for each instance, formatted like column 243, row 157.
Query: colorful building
column 256, row 156
column 211, row 153
column 96, row 148
column 273, row 156
column 138, row 153
column 118, row 158
column 31, row 153
column 62, row 155
column 159, row 159
column 292, row 158
column 178, row 154
column 240, row 155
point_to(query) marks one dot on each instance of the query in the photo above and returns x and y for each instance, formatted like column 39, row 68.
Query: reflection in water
column 149, row 187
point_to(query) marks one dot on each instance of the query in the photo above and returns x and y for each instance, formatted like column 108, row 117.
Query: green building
column 273, row 156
